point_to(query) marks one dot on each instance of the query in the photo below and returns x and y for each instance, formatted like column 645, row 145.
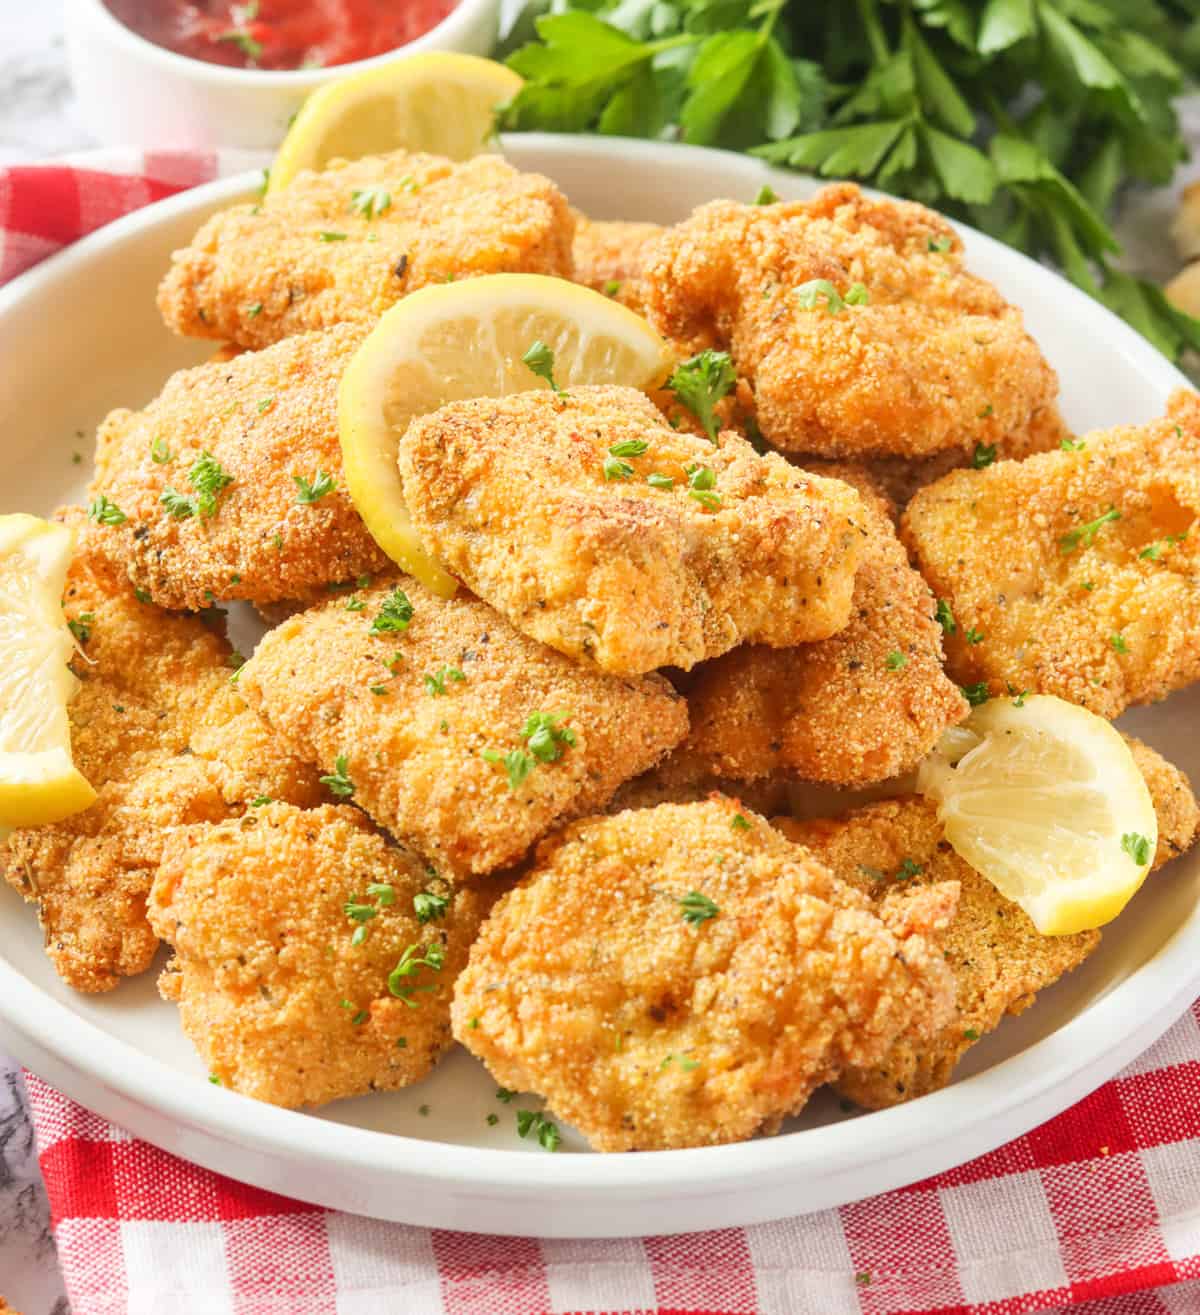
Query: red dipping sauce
column 280, row 34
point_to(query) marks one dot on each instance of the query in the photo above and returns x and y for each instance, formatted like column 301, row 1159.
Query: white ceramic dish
column 81, row 334
column 132, row 92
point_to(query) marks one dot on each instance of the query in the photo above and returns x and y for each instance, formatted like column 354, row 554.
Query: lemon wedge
column 38, row 781
column 456, row 341
column 1045, row 800
column 441, row 102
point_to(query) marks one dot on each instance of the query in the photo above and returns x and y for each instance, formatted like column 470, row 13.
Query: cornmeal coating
column 273, row 991
column 867, row 704
column 679, row 779
column 609, row 256
column 268, row 418
column 645, row 1030
column 349, row 241
column 999, row 959
column 1073, row 572
column 933, row 359
column 413, row 712
column 514, row 496
column 167, row 741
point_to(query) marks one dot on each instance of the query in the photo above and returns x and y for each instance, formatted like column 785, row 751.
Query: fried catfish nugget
column 862, row 706
column 229, row 484
column 674, row 977
column 609, row 256
column 313, row 958
column 596, row 528
column 1073, row 573
column 999, row 959
column 348, row 242
column 461, row 736
column 167, row 741
column 855, row 322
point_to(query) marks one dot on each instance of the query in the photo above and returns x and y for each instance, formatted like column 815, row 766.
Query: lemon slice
column 456, row 341
column 1044, row 799
column 442, row 103
column 38, row 781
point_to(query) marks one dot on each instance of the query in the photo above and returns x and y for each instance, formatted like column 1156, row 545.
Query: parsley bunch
column 1022, row 117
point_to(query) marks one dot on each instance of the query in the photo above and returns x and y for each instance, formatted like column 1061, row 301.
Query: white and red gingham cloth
column 1096, row 1212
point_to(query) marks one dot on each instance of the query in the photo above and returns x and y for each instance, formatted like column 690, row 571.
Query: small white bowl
column 132, row 92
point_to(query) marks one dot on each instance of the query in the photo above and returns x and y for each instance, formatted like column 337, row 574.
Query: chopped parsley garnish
column 411, row 962
column 255, row 308
column 314, row 490
column 160, row 453
column 208, row 479
column 81, row 626
column 540, row 359
column 359, row 912
column 970, row 1034
column 216, row 1081
column 338, row 783
column 701, row 482
column 807, row 295
column 683, row 1062
column 370, row 202
column 908, row 869
column 1072, row 445
column 355, row 604
column 697, row 908
column 265, row 404
column 973, row 636
column 630, row 447
column 976, row 694
column 1137, row 847
column 738, row 822
column 611, row 287
column 984, row 455
column 939, row 244
column 1086, row 534
column 657, row 481
column 382, row 891
column 700, row 383
column 535, row 1122
column 945, row 616
column 504, row 1096
column 857, row 295
column 517, row 764
column 492, row 1120
column 895, row 660
column 259, row 800
column 766, row 195
column 104, row 512
column 614, row 468
column 394, row 615
column 142, row 595
column 329, row 236
column 1152, row 552
column 435, row 681
column 244, row 41
column 429, row 906
column 863, row 1278
column 1117, row 640
column 546, row 738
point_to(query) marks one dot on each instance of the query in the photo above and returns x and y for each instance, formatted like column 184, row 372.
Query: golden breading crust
column 268, row 418
column 935, row 359
column 314, row 254
column 166, row 741
column 272, row 989
column 999, row 960
column 609, row 255
column 865, row 705
column 678, row 779
column 513, row 495
column 414, row 713
column 1074, row 571
column 647, row 1030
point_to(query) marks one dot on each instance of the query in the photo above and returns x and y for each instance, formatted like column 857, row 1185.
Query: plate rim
column 1101, row 1039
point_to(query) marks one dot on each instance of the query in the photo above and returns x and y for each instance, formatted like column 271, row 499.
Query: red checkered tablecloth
column 1096, row 1212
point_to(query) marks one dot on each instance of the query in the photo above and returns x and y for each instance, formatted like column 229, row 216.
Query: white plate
column 81, row 334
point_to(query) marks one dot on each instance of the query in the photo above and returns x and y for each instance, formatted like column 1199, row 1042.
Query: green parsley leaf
column 1085, row 535
column 370, row 202
column 701, row 382
column 517, row 763
column 411, row 962
column 739, row 823
column 535, row 1122
column 359, row 912
column 260, row 800
column 970, row 1034
column 807, row 295
column 977, row 694
column 697, row 908
column 630, row 447
column 984, row 455
column 313, row 491
column 254, row 309
column 973, row 636
column 337, row 782
column 330, row 236
column 383, row 892
column 612, row 287
column 81, row 626
column 1072, row 445
column 104, row 512
column 657, row 481
column 435, row 681
column 940, row 245
column 945, row 616
column 546, row 737
column 160, row 453
column 1137, row 847
column 1118, row 643
column 896, row 660
column 540, row 360
column 429, row 906
column 355, row 605
column 766, row 195
column 504, row 1096
column 615, row 469
column 908, row 869
column 395, row 613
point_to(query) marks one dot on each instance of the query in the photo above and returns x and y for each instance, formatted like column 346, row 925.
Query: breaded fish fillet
column 290, row 928
column 862, row 706
column 609, row 255
column 923, row 357
column 596, row 528
column 998, row 958
column 262, row 421
column 683, row 976
column 1074, row 572
column 462, row 737
column 166, row 741
column 348, row 242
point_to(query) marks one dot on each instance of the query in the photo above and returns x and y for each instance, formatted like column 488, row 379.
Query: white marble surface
column 37, row 119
